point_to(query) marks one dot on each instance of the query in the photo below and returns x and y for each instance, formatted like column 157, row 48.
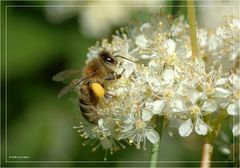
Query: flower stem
column 156, row 147
column 206, row 155
column 154, row 154
column 207, row 148
column 192, row 28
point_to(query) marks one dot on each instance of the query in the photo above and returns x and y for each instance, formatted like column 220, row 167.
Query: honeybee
column 91, row 85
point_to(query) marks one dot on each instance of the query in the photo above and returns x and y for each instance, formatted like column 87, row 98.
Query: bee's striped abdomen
column 87, row 104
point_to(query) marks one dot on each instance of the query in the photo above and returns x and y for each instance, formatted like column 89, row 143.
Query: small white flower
column 137, row 131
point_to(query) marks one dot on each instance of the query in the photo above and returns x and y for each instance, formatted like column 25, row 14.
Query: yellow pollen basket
column 97, row 89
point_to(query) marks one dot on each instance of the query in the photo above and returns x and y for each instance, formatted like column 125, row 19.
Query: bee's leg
column 109, row 96
column 114, row 76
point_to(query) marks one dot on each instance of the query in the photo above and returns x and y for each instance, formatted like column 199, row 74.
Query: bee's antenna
column 125, row 58
column 115, row 52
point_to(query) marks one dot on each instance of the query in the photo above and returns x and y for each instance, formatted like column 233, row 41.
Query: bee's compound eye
column 98, row 89
column 107, row 57
column 109, row 60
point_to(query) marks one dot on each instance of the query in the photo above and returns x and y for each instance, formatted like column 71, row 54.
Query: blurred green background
column 36, row 43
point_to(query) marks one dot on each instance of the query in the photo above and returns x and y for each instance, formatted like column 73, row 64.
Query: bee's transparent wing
column 71, row 86
column 66, row 75
column 65, row 90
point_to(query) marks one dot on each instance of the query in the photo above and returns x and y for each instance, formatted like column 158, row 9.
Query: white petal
column 225, row 150
column 119, row 91
column 145, row 56
column 103, row 124
column 100, row 123
column 152, row 65
column 185, row 128
column 145, row 27
column 232, row 109
column 91, row 55
column 170, row 45
column 147, row 111
column 146, row 115
column 202, row 37
column 214, row 42
column 106, row 144
column 223, row 104
column 235, row 80
column 233, row 56
column 188, row 54
column 200, row 127
column 129, row 68
column 221, row 92
column 168, row 75
column 129, row 119
column 210, row 106
column 202, row 96
column 154, row 82
column 221, row 81
column 152, row 136
column 236, row 129
column 141, row 41
column 177, row 105
column 158, row 106
column 193, row 95
column 235, row 23
column 221, row 32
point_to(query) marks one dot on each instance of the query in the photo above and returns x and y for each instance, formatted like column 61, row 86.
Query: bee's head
column 107, row 59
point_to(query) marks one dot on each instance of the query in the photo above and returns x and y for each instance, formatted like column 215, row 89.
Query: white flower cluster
column 224, row 43
column 166, row 81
